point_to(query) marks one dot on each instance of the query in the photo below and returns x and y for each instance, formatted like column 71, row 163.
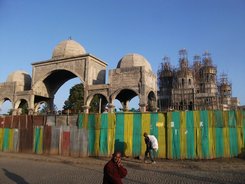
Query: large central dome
column 134, row 60
column 68, row 48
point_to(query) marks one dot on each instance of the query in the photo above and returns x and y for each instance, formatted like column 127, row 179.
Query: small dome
column 68, row 48
column 132, row 60
column 22, row 79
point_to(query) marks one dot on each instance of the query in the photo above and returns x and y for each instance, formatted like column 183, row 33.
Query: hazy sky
column 110, row 29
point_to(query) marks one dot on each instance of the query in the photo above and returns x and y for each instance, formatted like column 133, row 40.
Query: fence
column 181, row 135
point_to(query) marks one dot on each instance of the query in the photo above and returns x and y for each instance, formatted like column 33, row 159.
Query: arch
column 21, row 106
column 6, row 99
column 124, row 95
column 97, row 102
column 53, row 80
column 91, row 96
column 132, row 93
column 38, row 105
column 151, row 101
column 20, row 102
column 10, row 106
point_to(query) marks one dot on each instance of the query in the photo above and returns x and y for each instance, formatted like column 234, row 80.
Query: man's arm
column 122, row 171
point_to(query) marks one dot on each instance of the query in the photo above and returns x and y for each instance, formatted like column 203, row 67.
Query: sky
column 110, row 29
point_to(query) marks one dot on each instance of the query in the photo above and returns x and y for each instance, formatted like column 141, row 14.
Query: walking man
column 151, row 147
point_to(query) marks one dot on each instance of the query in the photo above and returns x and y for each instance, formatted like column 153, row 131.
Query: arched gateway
column 133, row 77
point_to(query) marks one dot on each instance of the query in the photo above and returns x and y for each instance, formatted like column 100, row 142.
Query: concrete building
column 193, row 87
column 132, row 77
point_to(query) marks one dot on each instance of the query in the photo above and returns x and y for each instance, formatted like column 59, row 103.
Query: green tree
column 24, row 109
column 44, row 109
column 75, row 100
column 94, row 105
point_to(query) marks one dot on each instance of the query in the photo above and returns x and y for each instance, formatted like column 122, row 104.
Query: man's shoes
column 153, row 162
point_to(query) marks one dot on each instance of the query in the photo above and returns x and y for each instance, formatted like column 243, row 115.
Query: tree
column 75, row 100
column 44, row 109
column 24, row 109
column 94, row 105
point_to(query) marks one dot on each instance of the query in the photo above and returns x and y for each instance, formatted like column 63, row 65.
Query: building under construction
column 193, row 87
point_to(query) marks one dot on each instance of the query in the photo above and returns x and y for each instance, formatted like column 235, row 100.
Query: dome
column 68, row 48
column 22, row 79
column 134, row 60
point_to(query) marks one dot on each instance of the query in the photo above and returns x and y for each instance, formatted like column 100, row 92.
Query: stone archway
column 132, row 77
column 101, row 102
column 4, row 100
column 46, row 88
column 124, row 96
column 151, row 102
column 69, row 60
column 21, row 106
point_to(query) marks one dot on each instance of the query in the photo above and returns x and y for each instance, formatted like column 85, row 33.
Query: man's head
column 116, row 156
column 145, row 134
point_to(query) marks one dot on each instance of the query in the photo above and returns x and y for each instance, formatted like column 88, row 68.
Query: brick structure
column 132, row 77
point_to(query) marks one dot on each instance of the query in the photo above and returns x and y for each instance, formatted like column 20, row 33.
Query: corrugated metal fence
column 181, row 135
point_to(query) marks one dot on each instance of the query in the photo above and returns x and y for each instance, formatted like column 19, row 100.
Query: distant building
column 193, row 87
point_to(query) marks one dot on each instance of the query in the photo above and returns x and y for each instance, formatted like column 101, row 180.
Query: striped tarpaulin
column 103, row 143
column 190, row 133
column 233, row 134
column 1, row 138
column 120, row 145
column 6, row 139
column 181, row 135
column 9, row 140
column 219, row 134
column 129, row 132
column 92, row 135
column 137, row 134
column 38, row 140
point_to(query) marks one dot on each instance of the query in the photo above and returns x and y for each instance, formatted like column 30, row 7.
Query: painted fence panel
column 83, row 144
column 65, row 141
column 50, row 120
column 38, row 140
column 47, row 131
column 6, row 138
column 16, row 137
column 74, row 142
column 120, row 145
column 190, row 133
column 103, row 143
column 204, row 135
column 55, row 140
column 181, row 135
column 26, row 140
column 137, row 135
